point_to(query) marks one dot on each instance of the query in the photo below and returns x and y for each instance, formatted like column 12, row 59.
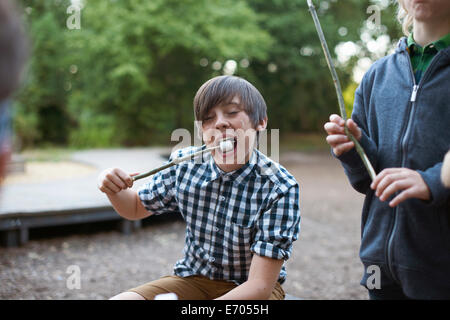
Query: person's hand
column 337, row 138
column 114, row 180
column 445, row 173
column 409, row 182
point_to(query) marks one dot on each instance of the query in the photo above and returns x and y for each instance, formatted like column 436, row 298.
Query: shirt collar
column 440, row 44
column 238, row 175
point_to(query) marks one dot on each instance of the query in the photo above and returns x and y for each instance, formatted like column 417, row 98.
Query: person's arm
column 261, row 280
column 128, row 205
column 115, row 183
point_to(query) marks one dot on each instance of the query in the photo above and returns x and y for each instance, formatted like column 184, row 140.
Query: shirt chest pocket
column 237, row 241
column 244, row 215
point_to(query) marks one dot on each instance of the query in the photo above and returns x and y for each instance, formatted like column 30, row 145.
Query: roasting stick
column 337, row 85
column 224, row 145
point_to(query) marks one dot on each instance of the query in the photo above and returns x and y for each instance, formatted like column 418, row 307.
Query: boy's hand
column 337, row 138
column 114, row 180
column 409, row 182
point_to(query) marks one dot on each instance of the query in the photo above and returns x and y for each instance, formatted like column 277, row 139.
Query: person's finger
column 381, row 176
column 388, row 179
column 115, row 179
column 337, row 119
column 354, row 129
column 393, row 187
column 402, row 196
column 343, row 148
column 112, row 186
column 333, row 128
column 105, row 189
column 335, row 139
column 126, row 178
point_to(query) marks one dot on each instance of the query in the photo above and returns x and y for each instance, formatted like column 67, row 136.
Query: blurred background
column 128, row 75
column 108, row 82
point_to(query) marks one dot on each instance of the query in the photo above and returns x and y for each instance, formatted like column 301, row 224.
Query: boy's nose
column 221, row 122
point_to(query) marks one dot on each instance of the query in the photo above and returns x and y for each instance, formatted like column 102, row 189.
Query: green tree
column 138, row 66
column 129, row 75
column 40, row 112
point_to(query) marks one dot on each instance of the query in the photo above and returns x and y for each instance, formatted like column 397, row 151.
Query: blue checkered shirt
column 229, row 216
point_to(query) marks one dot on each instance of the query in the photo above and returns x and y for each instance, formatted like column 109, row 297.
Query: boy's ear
column 262, row 125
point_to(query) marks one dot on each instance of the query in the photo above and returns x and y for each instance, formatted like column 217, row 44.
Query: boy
column 401, row 116
column 241, row 209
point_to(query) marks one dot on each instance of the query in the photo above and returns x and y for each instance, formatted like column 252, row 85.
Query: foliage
column 129, row 75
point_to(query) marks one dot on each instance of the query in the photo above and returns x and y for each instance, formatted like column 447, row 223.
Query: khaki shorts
column 194, row 288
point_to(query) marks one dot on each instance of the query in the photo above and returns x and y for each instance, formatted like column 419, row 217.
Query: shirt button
column 212, row 259
column 216, row 229
column 222, row 198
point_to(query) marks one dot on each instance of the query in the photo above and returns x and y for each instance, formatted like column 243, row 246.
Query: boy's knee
column 128, row 295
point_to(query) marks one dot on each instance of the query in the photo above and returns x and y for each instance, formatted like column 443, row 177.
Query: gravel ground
column 324, row 262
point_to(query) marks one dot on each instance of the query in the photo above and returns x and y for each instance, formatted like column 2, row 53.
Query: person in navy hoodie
column 401, row 117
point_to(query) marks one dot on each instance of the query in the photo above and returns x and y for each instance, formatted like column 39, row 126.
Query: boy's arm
column 115, row 183
column 128, row 205
column 262, row 278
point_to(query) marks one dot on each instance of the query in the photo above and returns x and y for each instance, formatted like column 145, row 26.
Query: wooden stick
column 337, row 86
column 172, row 163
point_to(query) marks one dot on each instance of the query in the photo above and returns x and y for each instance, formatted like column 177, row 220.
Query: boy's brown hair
column 222, row 89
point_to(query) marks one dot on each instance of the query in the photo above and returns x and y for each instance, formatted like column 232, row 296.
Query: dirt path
column 324, row 263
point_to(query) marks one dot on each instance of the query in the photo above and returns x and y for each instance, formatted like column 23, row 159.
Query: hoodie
column 405, row 124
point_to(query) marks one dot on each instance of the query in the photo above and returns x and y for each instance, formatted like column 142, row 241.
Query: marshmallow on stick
column 224, row 145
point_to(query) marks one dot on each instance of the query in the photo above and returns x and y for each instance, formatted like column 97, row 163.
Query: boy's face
column 428, row 10
column 230, row 121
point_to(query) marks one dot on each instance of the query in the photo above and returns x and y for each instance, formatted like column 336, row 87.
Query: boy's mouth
column 229, row 152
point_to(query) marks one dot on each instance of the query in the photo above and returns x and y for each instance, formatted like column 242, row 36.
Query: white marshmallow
column 226, row 145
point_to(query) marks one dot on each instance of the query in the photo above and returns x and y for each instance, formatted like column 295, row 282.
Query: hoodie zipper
column 403, row 149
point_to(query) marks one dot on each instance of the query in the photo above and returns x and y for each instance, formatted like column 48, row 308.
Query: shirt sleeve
column 158, row 194
column 278, row 227
column 432, row 177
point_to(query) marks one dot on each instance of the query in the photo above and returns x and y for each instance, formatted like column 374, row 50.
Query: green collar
column 440, row 44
